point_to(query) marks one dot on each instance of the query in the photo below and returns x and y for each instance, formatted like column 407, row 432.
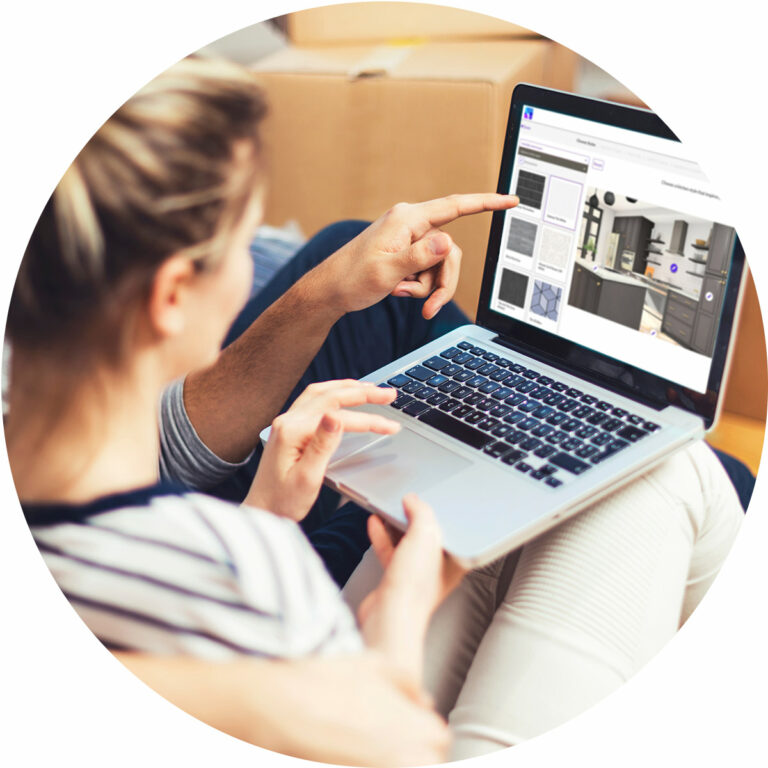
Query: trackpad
column 396, row 465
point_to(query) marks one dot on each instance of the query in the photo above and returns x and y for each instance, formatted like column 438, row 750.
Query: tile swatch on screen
column 513, row 287
column 521, row 236
column 545, row 300
column 563, row 202
column 530, row 188
column 555, row 248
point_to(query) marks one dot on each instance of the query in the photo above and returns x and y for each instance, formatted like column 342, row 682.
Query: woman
column 136, row 268
column 340, row 710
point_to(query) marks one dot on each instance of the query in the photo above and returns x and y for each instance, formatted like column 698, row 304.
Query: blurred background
column 374, row 103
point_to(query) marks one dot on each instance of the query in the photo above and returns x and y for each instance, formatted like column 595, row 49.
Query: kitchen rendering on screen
column 651, row 269
column 617, row 244
column 648, row 268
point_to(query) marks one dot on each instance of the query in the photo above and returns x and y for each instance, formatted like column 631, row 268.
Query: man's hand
column 404, row 253
column 304, row 438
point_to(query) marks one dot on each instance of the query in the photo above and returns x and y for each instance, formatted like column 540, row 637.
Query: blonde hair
column 163, row 176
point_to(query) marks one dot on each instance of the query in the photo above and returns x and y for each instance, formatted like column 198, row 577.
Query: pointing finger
column 436, row 213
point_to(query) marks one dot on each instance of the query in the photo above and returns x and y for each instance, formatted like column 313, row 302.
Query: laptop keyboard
column 533, row 423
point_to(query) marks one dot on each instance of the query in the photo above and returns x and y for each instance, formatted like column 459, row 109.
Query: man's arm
column 402, row 253
column 233, row 400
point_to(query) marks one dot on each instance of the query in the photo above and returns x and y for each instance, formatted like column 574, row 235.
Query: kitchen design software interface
column 617, row 244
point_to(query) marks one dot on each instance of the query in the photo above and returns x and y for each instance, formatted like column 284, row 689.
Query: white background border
column 66, row 66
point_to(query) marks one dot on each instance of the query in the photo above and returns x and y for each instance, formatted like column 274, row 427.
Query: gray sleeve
column 184, row 457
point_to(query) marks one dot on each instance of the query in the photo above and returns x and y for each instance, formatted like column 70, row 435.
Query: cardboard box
column 745, row 392
column 385, row 22
column 561, row 67
column 354, row 130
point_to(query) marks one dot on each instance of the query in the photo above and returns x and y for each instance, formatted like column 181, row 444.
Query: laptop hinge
column 594, row 377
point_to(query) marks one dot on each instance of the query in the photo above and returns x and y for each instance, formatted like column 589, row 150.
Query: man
column 345, row 305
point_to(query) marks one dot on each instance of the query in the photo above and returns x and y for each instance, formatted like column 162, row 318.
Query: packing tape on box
column 381, row 60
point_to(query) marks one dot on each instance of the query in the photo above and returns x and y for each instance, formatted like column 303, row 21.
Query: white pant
column 540, row 635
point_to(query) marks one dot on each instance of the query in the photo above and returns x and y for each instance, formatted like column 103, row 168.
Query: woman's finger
column 423, row 530
column 381, row 541
column 417, row 512
column 416, row 563
column 363, row 393
column 315, row 402
column 318, row 452
column 354, row 421
column 320, row 388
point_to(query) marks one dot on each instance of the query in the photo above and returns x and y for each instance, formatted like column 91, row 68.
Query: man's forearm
column 233, row 400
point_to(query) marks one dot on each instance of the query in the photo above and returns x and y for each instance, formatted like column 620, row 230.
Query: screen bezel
column 609, row 372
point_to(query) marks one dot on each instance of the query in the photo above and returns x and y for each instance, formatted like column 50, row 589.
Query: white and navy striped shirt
column 166, row 570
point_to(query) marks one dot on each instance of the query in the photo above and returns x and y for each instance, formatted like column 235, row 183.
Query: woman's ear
column 168, row 297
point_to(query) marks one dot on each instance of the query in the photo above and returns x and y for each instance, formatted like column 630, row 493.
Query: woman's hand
column 345, row 710
column 418, row 576
column 304, row 438
column 404, row 253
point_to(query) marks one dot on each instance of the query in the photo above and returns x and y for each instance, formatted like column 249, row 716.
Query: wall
column 697, row 229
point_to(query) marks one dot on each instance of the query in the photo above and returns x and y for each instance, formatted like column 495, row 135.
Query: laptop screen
column 618, row 245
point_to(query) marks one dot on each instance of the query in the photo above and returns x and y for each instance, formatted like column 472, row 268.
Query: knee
column 701, row 487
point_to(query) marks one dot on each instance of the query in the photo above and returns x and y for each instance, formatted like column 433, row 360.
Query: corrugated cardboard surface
column 745, row 392
column 561, row 67
column 344, row 147
column 741, row 429
column 383, row 22
column 481, row 61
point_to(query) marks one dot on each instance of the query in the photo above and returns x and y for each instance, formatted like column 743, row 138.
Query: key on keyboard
column 455, row 428
column 420, row 373
column 483, row 381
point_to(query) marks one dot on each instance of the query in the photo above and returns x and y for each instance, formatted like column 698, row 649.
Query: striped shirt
column 166, row 570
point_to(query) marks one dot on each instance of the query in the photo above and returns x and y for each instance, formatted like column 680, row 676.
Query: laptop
column 602, row 337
